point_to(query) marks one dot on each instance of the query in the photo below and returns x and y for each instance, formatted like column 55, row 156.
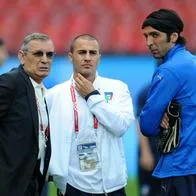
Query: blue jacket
column 174, row 80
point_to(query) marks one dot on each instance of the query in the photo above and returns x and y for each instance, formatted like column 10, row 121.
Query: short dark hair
column 167, row 21
column 85, row 37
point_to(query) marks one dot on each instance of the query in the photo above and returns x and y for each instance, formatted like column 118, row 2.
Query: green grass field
column 131, row 188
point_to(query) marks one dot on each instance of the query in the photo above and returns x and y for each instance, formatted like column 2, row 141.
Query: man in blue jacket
column 173, row 81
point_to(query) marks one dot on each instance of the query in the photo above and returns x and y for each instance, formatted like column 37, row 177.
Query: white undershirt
column 43, row 119
column 88, row 181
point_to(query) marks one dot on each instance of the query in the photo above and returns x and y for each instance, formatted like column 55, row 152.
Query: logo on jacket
column 108, row 96
column 159, row 77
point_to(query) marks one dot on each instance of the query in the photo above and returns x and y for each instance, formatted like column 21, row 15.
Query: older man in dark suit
column 24, row 124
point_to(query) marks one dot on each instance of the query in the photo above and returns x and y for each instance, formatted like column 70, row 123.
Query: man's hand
column 147, row 160
column 83, row 86
column 165, row 121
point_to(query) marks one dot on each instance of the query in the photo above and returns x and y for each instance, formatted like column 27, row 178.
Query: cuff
column 95, row 92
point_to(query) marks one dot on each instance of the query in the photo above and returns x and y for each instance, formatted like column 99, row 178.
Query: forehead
column 83, row 44
column 149, row 29
column 45, row 45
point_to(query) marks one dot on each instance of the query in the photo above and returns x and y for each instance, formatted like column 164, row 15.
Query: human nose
column 87, row 56
column 149, row 41
column 44, row 57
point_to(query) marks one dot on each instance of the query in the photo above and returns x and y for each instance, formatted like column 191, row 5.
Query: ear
column 70, row 56
column 99, row 58
column 21, row 57
column 174, row 37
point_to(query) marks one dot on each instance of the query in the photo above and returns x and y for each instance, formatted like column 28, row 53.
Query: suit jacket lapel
column 47, row 155
column 48, row 145
column 31, row 100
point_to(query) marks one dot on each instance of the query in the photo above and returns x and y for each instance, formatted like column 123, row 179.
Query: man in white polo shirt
column 89, row 115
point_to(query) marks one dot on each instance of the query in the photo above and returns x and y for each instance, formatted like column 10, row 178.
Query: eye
column 155, row 35
column 93, row 52
column 41, row 54
column 82, row 52
column 38, row 53
column 50, row 54
column 145, row 36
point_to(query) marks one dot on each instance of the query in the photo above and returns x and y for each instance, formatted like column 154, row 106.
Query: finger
column 164, row 124
column 77, row 84
column 166, row 117
column 77, row 88
column 80, row 76
column 78, row 80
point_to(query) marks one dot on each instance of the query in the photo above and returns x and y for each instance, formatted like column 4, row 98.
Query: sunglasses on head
column 41, row 54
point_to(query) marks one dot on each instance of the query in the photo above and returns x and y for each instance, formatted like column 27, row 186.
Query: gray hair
column 33, row 36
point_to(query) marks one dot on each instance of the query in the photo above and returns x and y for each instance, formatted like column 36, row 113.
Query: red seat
column 116, row 23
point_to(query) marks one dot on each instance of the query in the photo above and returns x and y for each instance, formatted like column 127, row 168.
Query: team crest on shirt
column 108, row 96
column 159, row 77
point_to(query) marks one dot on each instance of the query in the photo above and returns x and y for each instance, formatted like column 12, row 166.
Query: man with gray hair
column 24, row 123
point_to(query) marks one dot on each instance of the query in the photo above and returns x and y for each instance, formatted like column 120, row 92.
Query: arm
column 6, row 96
column 116, row 116
column 147, row 160
column 163, row 89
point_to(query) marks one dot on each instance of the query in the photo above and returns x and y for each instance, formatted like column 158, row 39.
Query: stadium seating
column 116, row 23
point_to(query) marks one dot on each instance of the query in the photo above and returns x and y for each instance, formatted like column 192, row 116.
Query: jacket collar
column 173, row 51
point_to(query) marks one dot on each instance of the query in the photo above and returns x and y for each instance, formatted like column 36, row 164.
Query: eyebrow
column 90, row 51
column 37, row 51
column 40, row 53
column 152, row 33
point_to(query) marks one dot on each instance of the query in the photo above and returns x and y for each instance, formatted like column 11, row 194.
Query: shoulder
column 182, row 57
column 11, row 73
column 11, row 78
column 179, row 65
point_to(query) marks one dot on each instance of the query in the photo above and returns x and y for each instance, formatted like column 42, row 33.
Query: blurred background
column 116, row 24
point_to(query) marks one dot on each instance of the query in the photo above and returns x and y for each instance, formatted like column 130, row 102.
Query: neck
column 91, row 78
column 37, row 80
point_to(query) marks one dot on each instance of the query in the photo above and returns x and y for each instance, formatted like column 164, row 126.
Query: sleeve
column 6, row 95
column 162, row 90
column 141, row 99
column 116, row 115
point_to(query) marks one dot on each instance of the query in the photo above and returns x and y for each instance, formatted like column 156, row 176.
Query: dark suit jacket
column 19, row 126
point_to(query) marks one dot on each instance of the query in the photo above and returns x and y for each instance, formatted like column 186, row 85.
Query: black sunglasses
column 41, row 54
